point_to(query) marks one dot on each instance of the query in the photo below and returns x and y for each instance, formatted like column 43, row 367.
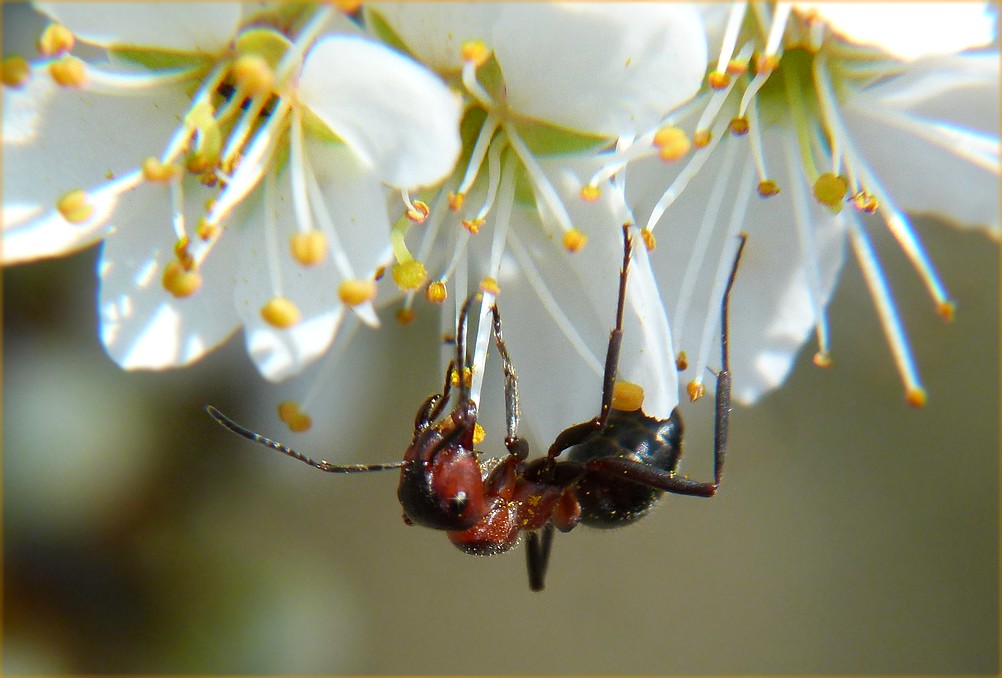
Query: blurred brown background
column 852, row 534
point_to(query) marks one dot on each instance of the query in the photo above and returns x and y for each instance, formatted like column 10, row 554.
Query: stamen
column 16, row 71
column 357, row 292
column 55, row 39
column 253, row 75
column 483, row 142
column 155, row 170
column 281, row 313
column 541, row 185
column 574, row 240
column 297, row 420
column 889, row 320
column 75, row 206
column 475, row 53
column 111, row 82
column 416, row 210
column 672, row 143
column 493, row 179
column 716, row 102
column 69, row 71
column 180, row 281
column 735, row 17
column 766, row 187
column 695, row 389
column 436, row 292
column 309, row 248
column 627, row 396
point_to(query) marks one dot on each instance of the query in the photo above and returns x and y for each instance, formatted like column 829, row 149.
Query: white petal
column 206, row 27
column 57, row 140
column 142, row 325
column 435, row 31
column 609, row 69
column 398, row 117
column 913, row 30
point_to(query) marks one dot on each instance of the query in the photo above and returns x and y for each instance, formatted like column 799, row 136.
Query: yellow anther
column 475, row 52
column 472, row 225
column 865, row 202
column 409, row 275
column 183, row 254
column 75, row 207
column 405, row 316
column 206, row 230
column 253, row 74
column 456, row 201
column 16, row 71
column 650, row 242
column 281, row 313
column 590, row 192
column 736, row 67
column 672, row 143
column 69, row 72
column 309, row 248
column 823, row 359
column 467, row 377
column 695, row 391
column 766, row 63
column 768, row 188
column 478, row 433
column 574, row 240
column 55, row 39
column 198, row 163
column 738, row 126
column 347, row 6
column 718, row 80
column 830, row 190
column 154, row 170
column 702, row 138
column 627, row 396
column 681, row 361
column 946, row 310
column 490, row 286
column 916, row 397
column 419, row 212
column 179, row 281
column 355, row 292
column 297, row 420
column 436, row 292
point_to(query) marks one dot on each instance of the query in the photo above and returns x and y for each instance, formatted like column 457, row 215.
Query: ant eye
column 458, row 502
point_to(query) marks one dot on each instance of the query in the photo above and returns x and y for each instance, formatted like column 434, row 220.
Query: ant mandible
column 618, row 464
column 441, row 482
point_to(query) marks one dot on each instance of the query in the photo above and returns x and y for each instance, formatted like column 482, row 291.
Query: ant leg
column 537, row 555
column 461, row 361
column 228, row 423
column 516, row 445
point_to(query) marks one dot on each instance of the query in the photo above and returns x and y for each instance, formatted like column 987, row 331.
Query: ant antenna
column 228, row 423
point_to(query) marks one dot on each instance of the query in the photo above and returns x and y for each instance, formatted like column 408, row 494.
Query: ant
column 441, row 481
column 618, row 464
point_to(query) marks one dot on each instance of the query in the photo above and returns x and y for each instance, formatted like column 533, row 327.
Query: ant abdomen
column 634, row 436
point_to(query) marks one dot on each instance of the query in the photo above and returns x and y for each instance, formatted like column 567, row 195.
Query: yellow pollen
column 409, row 275
column 281, row 313
column 702, row 138
column 55, row 39
column 736, row 67
column 681, row 361
column 347, row 6
column 69, row 72
column 650, row 242
column 198, row 163
column 627, row 396
column 738, row 126
column 405, row 316
column 355, row 292
column 467, row 377
column 830, row 190
column 154, row 170
column 672, row 143
column 297, row 420
column 206, row 230
column 456, row 201
column 253, row 74
column 478, row 433
column 475, row 52
column 309, row 248
column 695, row 391
column 16, row 71
column 183, row 255
column 179, row 281
column 590, row 193
column 75, row 207
column 823, row 359
column 718, row 80
column 490, row 286
column 766, row 63
column 768, row 188
column 472, row 225
column 419, row 212
column 916, row 397
column 574, row 240
column 436, row 292
column 865, row 202
column 946, row 310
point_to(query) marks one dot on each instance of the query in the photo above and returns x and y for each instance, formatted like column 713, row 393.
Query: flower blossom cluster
column 289, row 170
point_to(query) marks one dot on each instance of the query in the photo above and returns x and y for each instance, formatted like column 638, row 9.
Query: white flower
column 234, row 159
column 835, row 138
column 546, row 86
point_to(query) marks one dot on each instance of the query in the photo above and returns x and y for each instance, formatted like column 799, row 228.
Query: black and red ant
column 441, row 481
